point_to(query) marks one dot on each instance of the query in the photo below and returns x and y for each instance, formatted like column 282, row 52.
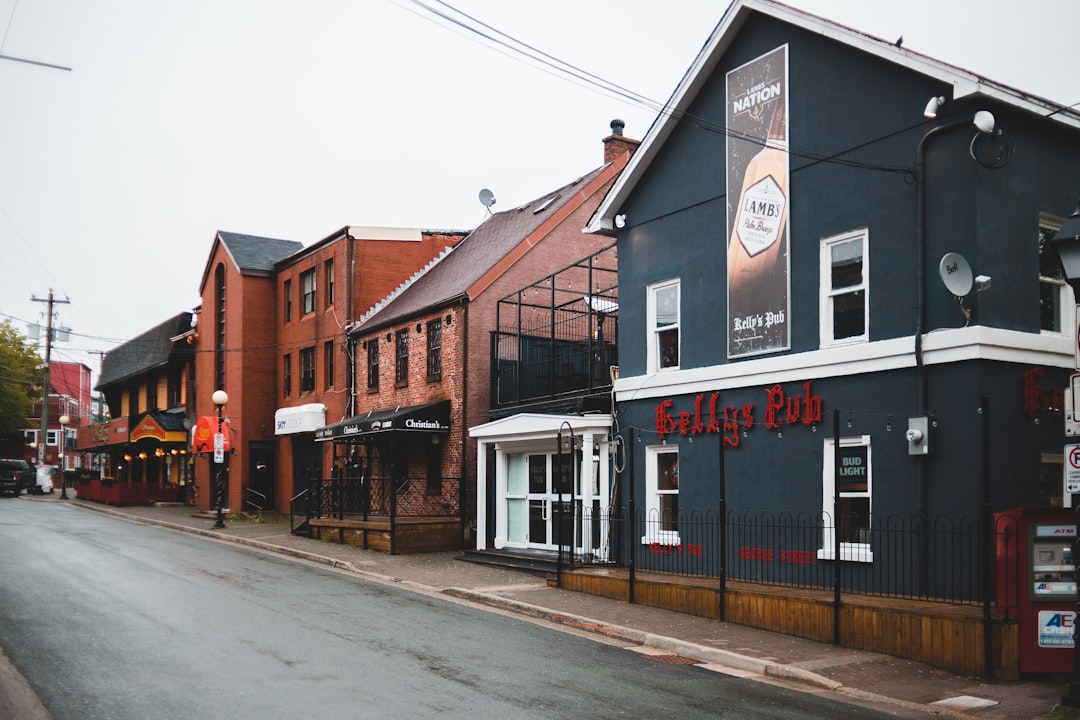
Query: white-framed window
column 1056, row 306
column 661, row 495
column 663, row 322
column 845, row 297
column 847, row 493
column 52, row 438
column 30, row 437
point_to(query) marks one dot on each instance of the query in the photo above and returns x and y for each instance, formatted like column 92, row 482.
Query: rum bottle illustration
column 757, row 249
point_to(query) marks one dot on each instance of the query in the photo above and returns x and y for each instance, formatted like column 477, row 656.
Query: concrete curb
column 693, row 651
column 701, row 653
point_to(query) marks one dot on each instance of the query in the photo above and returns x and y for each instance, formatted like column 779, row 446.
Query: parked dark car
column 16, row 476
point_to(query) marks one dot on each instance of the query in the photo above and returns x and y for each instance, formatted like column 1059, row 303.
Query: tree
column 20, row 378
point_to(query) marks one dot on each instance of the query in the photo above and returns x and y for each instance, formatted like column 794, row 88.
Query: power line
column 35, row 62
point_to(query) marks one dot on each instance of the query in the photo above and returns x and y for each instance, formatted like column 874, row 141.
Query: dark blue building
column 805, row 256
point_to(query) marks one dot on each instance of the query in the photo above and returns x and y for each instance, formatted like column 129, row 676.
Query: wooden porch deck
column 405, row 536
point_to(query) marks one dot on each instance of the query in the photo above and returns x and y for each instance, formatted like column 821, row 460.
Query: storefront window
column 847, row 484
column 662, row 495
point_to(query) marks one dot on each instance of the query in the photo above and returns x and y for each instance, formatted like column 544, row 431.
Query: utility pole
column 44, row 434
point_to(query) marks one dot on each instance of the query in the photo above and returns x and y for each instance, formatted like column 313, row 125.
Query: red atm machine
column 1036, row 582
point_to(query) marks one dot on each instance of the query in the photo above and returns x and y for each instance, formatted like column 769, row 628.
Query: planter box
column 118, row 493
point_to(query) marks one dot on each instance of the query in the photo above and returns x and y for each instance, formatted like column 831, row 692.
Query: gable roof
column 459, row 273
column 144, row 352
column 252, row 255
column 963, row 82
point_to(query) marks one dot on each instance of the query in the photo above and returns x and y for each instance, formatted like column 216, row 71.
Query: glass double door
column 538, row 515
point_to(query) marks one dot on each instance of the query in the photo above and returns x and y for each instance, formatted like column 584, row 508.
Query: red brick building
column 272, row 335
column 404, row 462
column 69, row 394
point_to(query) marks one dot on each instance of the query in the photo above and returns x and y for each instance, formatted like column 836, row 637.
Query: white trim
column 939, row 347
column 361, row 232
column 538, row 426
column 989, row 343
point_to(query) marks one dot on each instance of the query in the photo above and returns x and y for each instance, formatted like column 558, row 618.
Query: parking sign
column 1072, row 469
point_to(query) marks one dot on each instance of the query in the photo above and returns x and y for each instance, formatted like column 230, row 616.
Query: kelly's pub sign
column 709, row 417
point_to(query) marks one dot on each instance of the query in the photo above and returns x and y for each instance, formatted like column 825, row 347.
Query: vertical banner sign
column 758, row 263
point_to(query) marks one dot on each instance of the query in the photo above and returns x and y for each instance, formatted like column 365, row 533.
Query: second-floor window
column 663, row 319
column 328, row 363
column 1053, row 298
column 401, row 357
column 287, row 292
column 307, row 292
column 286, row 374
column 328, row 281
column 175, row 392
column 307, row 369
column 844, row 289
column 373, row 364
column 434, row 349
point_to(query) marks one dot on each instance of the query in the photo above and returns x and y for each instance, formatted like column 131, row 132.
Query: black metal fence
column 946, row 560
column 364, row 496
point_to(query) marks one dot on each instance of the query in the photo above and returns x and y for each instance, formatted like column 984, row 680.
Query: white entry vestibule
column 532, row 454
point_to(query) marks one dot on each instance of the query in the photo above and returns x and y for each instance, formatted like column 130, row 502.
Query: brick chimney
column 616, row 143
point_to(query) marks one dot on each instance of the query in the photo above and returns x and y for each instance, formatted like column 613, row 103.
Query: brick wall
column 421, row 390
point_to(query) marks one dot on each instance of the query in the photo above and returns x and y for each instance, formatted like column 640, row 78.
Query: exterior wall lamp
column 1067, row 243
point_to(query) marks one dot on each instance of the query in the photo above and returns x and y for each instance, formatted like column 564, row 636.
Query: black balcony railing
column 558, row 336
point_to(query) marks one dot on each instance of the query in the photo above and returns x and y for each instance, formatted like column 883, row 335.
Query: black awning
column 430, row 418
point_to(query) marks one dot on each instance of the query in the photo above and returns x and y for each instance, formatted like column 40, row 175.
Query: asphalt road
column 108, row 619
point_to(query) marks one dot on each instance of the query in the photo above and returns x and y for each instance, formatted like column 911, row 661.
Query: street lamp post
column 562, row 481
column 219, row 398
column 1067, row 243
column 64, row 420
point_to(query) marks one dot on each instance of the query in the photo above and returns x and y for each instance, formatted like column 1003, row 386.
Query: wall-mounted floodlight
column 984, row 121
column 933, row 106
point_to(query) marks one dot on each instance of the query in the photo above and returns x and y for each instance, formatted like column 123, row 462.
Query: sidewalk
column 904, row 684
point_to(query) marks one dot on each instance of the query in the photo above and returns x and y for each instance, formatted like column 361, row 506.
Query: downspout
column 350, row 357
column 462, row 493
column 920, row 274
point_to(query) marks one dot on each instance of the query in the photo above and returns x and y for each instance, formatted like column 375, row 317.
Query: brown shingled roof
column 450, row 279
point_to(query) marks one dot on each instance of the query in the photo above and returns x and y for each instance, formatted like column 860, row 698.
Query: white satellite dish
column 956, row 274
column 487, row 198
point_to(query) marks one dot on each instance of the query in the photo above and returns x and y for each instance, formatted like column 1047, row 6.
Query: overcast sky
column 291, row 119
